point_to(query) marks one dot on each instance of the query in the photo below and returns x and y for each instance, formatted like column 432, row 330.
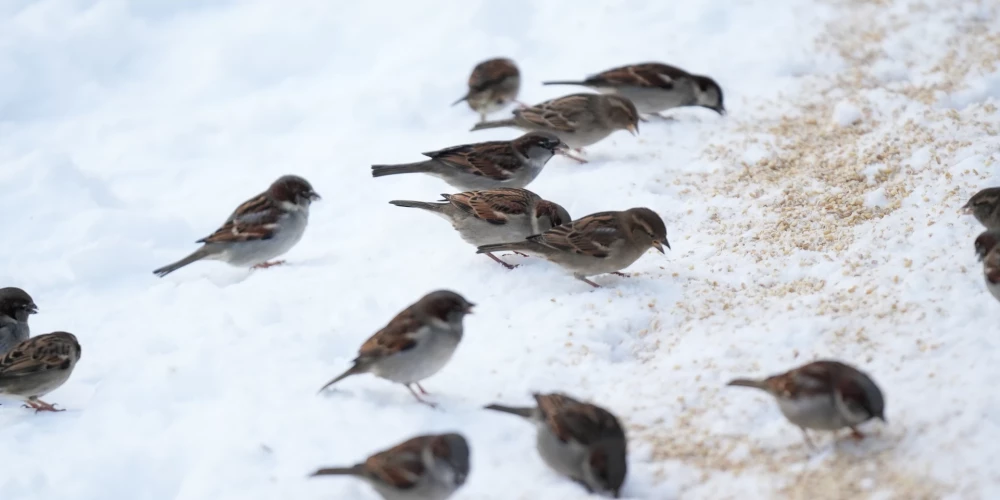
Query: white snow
column 846, row 114
column 130, row 129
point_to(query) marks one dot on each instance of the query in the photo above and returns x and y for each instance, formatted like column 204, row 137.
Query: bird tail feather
column 403, row 168
column 493, row 124
column 199, row 254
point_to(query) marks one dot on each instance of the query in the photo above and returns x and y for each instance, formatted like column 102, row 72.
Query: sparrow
column 495, row 215
column 578, row 119
column 416, row 344
column 823, row 395
column 428, row 467
column 15, row 307
column 37, row 367
column 581, row 441
column 485, row 165
column 493, row 85
column 988, row 253
column 985, row 207
column 655, row 87
column 986, row 241
column 262, row 228
column 605, row 242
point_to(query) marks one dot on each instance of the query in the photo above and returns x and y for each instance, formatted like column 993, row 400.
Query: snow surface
column 129, row 130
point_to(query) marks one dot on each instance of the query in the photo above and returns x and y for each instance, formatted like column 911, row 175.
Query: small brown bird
column 37, row 367
column 655, row 87
column 416, row 344
column 485, row 165
column 985, row 207
column 15, row 308
column 823, row 395
column 495, row 215
column 431, row 467
column 579, row 120
column 581, row 441
column 605, row 242
column 493, row 85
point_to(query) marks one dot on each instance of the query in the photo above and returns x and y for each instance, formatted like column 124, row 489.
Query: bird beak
column 315, row 196
column 561, row 149
column 633, row 129
column 31, row 308
column 468, row 308
column 966, row 210
column 659, row 246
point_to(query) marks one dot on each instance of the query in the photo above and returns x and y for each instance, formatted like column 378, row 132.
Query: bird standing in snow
column 485, row 165
column 581, row 441
column 15, row 308
column 823, row 395
column 655, row 87
column 416, row 344
column 493, row 85
column 431, row 467
column 985, row 207
column 37, row 367
column 579, row 120
column 262, row 228
column 605, row 242
column 495, row 215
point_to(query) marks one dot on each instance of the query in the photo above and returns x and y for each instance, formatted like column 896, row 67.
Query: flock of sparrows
column 577, row 439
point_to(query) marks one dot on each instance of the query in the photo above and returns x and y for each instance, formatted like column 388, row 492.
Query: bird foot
column 420, row 399
column 856, row 434
column 623, row 275
column 500, row 261
column 519, row 253
column 39, row 406
column 265, row 265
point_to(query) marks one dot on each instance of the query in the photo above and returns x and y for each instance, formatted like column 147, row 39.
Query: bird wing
column 53, row 351
column 493, row 205
column 592, row 235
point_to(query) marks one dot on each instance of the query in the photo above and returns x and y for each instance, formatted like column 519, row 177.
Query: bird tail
column 513, row 410
column 358, row 368
column 199, row 254
column 500, row 247
column 460, row 99
column 433, row 207
column 746, row 382
column 564, row 82
column 494, row 124
column 403, row 168
column 356, row 470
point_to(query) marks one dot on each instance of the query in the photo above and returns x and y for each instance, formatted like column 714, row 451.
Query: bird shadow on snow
column 387, row 398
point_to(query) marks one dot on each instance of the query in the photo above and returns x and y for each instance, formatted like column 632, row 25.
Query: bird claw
column 40, row 406
column 265, row 265
column 623, row 275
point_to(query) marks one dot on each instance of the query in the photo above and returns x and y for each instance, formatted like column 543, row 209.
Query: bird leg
column 809, row 442
column 422, row 391
column 40, row 405
column 585, row 280
column 856, row 434
column 265, row 265
column 501, row 262
column 422, row 400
